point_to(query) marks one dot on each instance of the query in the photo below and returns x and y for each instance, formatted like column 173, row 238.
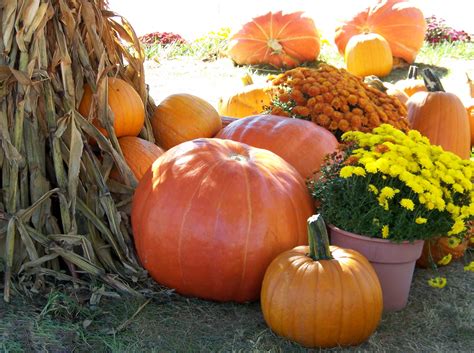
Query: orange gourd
column 440, row 116
column 277, row 39
column 321, row 296
column 299, row 142
column 368, row 54
column 125, row 103
column 184, row 117
column 139, row 155
column 411, row 84
column 400, row 22
column 211, row 214
column 438, row 248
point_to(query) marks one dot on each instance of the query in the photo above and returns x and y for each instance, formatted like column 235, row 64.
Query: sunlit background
column 192, row 19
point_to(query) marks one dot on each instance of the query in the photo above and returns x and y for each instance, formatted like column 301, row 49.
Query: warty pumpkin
column 251, row 100
column 368, row 54
column 139, row 155
column 299, row 142
column 211, row 214
column 411, row 84
column 127, row 107
column 277, row 39
column 400, row 22
column 321, row 295
column 184, row 117
column 440, row 116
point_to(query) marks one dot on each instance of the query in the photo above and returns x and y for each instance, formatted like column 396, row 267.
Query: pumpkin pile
column 336, row 100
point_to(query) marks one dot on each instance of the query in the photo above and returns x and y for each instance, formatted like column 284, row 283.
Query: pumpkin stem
column 432, row 81
column 412, row 72
column 318, row 239
column 275, row 45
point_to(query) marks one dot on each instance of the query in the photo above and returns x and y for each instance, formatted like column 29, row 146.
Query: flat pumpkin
column 183, row 117
column 368, row 54
column 299, row 142
column 211, row 214
column 440, row 116
column 321, row 296
column 277, row 39
column 400, row 22
column 125, row 103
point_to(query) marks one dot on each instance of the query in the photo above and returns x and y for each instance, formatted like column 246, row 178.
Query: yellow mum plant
column 395, row 185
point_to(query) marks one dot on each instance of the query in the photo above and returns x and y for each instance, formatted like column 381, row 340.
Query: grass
column 435, row 320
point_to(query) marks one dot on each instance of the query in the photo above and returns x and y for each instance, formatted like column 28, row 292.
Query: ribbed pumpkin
column 211, row 214
column 139, row 155
column 440, row 116
column 368, row 54
column 440, row 248
column 251, row 100
column 400, row 22
column 226, row 120
column 470, row 113
column 125, row 103
column 411, row 84
column 280, row 40
column 301, row 143
column 321, row 296
column 184, row 117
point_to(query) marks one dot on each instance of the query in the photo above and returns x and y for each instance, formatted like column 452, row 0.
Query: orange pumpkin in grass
column 438, row 248
column 277, row 39
column 211, row 214
column 139, row 155
column 127, row 107
column 400, row 22
column 301, row 143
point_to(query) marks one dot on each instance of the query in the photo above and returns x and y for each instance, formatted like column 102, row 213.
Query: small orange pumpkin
column 333, row 295
column 251, row 100
column 277, row 39
column 368, row 54
column 125, row 103
column 411, row 84
column 440, row 116
column 184, row 117
column 439, row 248
column 139, row 155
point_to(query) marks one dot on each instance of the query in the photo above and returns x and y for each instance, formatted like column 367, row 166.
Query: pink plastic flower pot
column 394, row 263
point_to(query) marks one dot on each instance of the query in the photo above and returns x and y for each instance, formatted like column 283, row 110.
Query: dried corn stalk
column 61, row 219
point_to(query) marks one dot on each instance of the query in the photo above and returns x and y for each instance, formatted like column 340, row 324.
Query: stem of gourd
column 432, row 81
column 318, row 239
column 412, row 72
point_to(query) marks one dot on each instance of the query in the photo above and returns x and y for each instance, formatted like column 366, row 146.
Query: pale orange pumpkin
column 184, row 117
column 251, row 100
column 127, row 107
column 386, row 87
column 470, row 113
column 440, row 116
column 400, row 22
column 411, row 84
column 277, row 39
column 368, row 54
column 139, row 155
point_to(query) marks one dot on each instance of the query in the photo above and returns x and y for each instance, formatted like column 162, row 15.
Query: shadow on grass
column 401, row 73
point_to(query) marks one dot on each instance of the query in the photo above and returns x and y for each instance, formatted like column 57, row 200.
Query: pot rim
column 359, row 236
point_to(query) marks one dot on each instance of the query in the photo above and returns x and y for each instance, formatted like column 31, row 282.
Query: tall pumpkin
column 400, row 22
column 277, row 39
column 184, row 117
column 299, row 142
column 440, row 116
column 321, row 296
column 125, row 103
column 139, row 155
column 368, row 54
column 211, row 214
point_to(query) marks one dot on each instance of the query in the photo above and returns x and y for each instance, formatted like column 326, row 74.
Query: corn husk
column 61, row 219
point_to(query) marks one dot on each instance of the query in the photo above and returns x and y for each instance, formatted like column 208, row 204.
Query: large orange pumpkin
column 440, row 116
column 184, row 117
column 211, row 214
column 321, row 296
column 299, row 142
column 280, row 40
column 125, row 103
column 400, row 22
column 368, row 54
column 139, row 155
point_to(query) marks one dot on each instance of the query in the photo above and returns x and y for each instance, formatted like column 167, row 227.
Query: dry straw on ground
column 61, row 219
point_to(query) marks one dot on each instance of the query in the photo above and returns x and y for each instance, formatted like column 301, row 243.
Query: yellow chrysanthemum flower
column 385, row 231
column 346, row 171
column 453, row 242
column 359, row 171
column 437, row 282
column 420, row 220
column 408, row 204
column 372, row 188
column 445, row 260
column 469, row 267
